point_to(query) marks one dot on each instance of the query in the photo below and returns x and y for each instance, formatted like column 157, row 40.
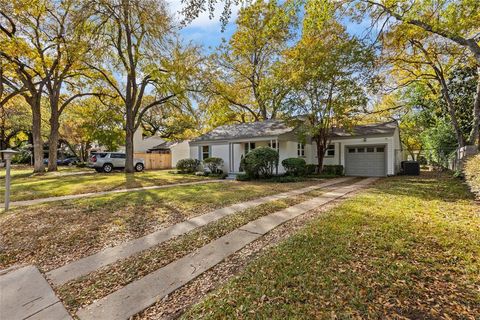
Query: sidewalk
column 25, row 294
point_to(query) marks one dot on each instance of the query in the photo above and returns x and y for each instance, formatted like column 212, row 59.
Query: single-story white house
column 366, row 150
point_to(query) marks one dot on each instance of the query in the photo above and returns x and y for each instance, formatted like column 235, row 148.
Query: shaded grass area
column 407, row 248
column 26, row 186
column 52, row 234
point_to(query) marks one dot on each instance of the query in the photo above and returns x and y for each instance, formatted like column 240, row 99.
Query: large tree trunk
column 129, row 132
column 129, row 150
column 53, row 140
column 37, row 134
column 451, row 110
column 475, row 134
column 320, row 155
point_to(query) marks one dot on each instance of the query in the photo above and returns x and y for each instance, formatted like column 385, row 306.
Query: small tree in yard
column 329, row 71
column 188, row 165
column 294, row 166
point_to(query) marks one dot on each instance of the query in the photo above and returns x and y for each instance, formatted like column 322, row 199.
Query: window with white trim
column 273, row 144
column 330, row 152
column 301, row 150
column 205, row 152
column 249, row 146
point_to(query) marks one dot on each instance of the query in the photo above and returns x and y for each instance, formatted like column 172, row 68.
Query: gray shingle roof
column 279, row 127
column 387, row 128
column 246, row 130
column 163, row 146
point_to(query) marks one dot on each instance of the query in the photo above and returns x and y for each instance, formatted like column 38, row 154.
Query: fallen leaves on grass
column 98, row 284
column 408, row 248
column 53, row 234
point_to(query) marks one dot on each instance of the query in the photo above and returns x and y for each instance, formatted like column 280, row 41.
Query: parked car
column 69, row 161
column 108, row 161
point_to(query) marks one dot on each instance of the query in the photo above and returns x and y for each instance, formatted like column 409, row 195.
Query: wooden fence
column 155, row 160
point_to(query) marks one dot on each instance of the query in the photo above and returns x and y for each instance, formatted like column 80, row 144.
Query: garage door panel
column 371, row 164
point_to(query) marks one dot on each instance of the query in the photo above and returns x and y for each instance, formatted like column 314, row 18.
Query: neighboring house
column 366, row 150
column 141, row 144
column 178, row 150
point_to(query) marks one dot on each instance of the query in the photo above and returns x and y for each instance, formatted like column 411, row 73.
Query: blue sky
column 208, row 32
column 204, row 31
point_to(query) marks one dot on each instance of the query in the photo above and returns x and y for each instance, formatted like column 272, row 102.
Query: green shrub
column 23, row 157
column 286, row 179
column 213, row 164
column 81, row 165
column 334, row 170
column 472, row 174
column 294, row 166
column 260, row 162
column 223, row 175
column 311, row 168
column 242, row 177
column 188, row 165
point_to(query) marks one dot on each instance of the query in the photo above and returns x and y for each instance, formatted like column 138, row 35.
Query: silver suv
column 107, row 161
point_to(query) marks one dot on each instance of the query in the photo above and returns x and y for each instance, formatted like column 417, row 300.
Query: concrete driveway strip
column 25, row 294
column 140, row 294
column 110, row 255
column 102, row 193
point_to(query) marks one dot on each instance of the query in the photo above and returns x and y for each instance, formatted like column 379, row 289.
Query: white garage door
column 365, row 161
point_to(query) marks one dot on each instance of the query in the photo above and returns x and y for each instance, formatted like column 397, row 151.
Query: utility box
column 411, row 168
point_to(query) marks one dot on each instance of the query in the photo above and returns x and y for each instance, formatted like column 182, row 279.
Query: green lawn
column 26, row 186
column 409, row 247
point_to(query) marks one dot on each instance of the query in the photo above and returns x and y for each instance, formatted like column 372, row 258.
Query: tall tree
column 93, row 121
column 330, row 74
column 417, row 56
column 144, row 57
column 245, row 74
column 55, row 42
column 64, row 43
column 172, row 121
column 18, row 54
column 457, row 21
